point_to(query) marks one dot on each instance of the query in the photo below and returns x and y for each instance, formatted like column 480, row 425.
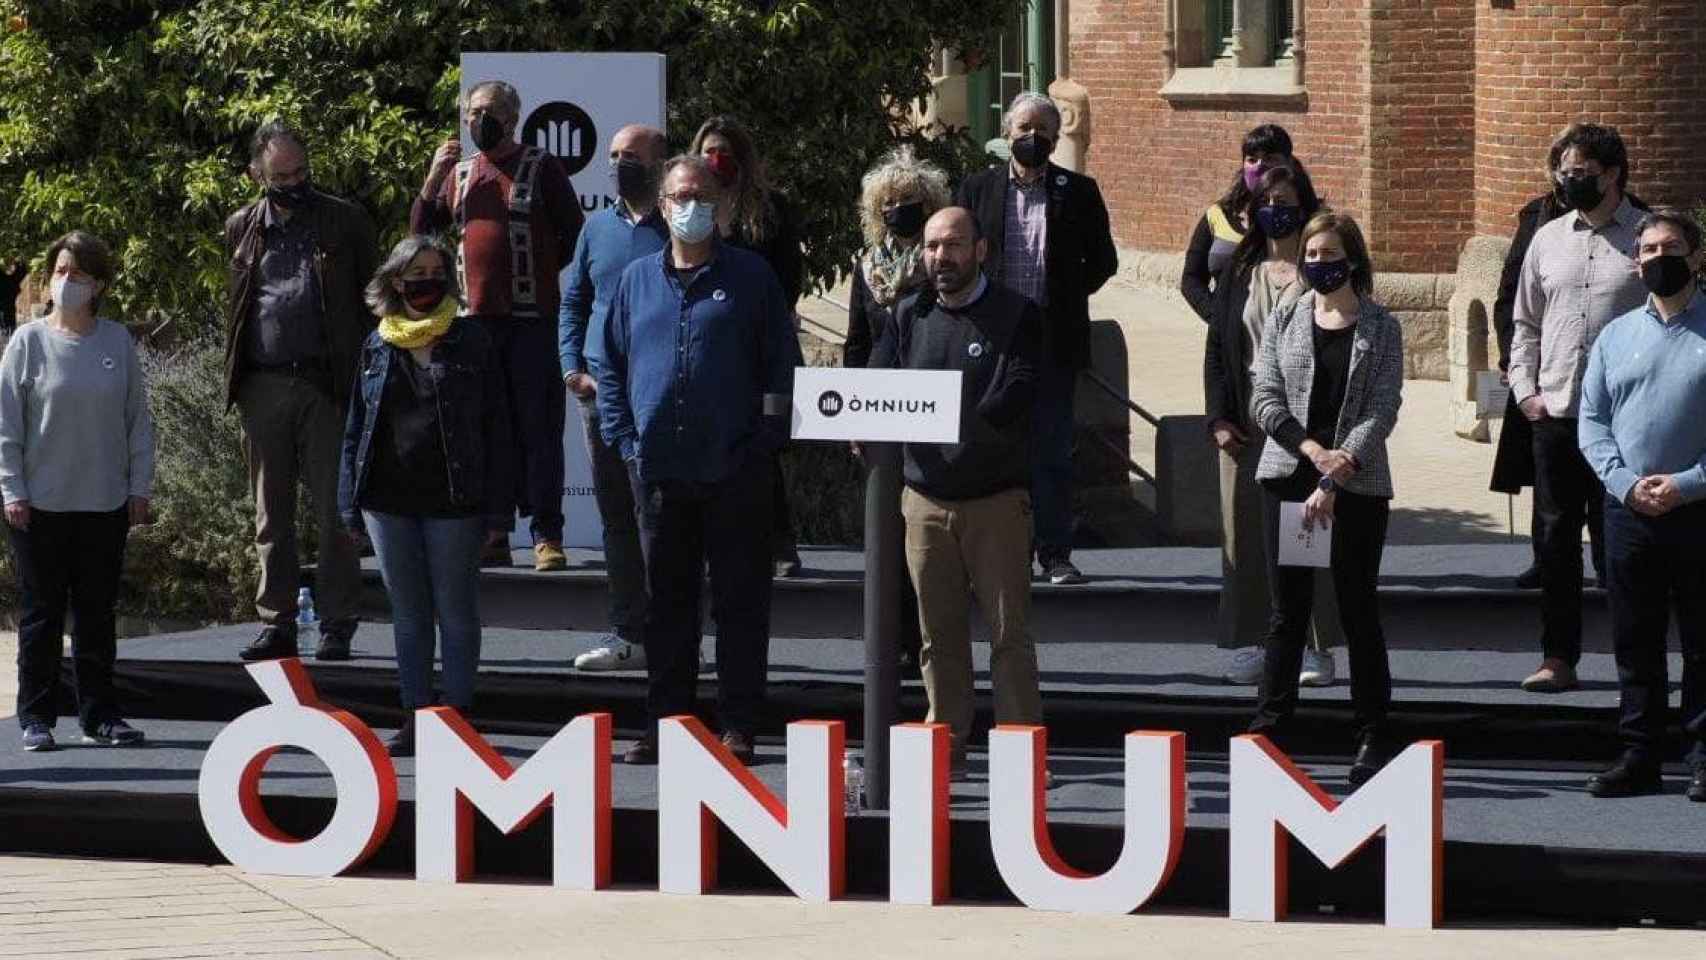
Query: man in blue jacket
column 612, row 239
column 698, row 363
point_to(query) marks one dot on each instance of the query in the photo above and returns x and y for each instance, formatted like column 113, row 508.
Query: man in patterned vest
column 516, row 218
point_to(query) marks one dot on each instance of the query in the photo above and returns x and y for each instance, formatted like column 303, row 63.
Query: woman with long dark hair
column 1260, row 277
column 1225, row 222
column 759, row 218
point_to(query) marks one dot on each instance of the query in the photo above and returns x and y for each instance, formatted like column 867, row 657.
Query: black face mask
column 488, row 132
column 424, row 294
column 1582, row 193
column 1032, row 150
column 905, row 220
column 1280, row 220
column 634, row 180
column 1327, row 276
column 292, row 196
column 1667, row 275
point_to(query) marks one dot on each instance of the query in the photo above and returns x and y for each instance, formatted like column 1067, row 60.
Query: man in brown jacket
column 295, row 322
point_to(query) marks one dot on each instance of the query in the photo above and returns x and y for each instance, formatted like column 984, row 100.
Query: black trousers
column 538, row 411
column 685, row 527
column 68, row 561
column 1650, row 561
column 783, row 545
column 1359, row 537
column 1566, row 493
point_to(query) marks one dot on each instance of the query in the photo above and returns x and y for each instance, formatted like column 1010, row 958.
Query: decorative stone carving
column 1074, row 103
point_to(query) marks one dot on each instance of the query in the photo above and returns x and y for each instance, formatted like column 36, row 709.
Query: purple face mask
column 1253, row 176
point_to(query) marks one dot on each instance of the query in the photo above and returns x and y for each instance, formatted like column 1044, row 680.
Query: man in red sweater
column 515, row 218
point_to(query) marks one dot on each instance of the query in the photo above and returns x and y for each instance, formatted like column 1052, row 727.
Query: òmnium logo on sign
column 829, row 403
column 906, row 406
column 565, row 130
column 858, row 404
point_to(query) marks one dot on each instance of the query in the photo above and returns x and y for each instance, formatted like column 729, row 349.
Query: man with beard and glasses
column 968, row 505
column 516, row 218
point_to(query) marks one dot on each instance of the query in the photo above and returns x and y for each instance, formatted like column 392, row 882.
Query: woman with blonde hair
column 895, row 198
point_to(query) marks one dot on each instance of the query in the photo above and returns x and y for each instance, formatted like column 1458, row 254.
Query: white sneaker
column 1246, row 666
column 619, row 655
column 1319, row 668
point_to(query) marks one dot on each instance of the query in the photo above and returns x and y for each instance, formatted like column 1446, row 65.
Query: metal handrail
column 1130, row 464
column 1119, row 395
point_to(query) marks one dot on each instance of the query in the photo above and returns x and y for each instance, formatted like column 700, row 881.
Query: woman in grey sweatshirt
column 76, row 472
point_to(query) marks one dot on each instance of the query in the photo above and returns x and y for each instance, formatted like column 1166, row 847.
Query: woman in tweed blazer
column 1327, row 391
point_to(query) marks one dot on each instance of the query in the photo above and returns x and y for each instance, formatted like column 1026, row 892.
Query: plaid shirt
column 1026, row 223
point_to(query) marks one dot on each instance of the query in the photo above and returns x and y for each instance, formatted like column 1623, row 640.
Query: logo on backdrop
column 829, row 403
column 565, row 130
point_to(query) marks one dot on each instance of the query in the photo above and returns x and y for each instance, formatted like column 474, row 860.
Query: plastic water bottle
column 853, row 780
column 307, row 622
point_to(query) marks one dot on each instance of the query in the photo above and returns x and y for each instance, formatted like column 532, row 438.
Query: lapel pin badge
column 719, row 295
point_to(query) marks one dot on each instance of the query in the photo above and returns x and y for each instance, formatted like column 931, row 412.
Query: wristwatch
column 1326, row 485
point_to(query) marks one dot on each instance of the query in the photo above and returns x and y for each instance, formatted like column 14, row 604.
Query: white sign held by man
column 906, row 406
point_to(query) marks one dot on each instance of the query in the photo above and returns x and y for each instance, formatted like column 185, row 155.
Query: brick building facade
column 1428, row 119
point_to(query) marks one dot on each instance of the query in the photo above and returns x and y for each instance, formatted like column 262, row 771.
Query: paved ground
column 1441, row 480
column 62, row 908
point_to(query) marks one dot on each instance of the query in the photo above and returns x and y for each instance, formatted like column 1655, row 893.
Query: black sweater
column 996, row 343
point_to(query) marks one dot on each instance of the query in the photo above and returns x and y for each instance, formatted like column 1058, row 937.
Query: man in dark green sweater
column 968, row 505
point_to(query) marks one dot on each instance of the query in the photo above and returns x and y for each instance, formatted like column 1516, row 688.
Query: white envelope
column 1299, row 547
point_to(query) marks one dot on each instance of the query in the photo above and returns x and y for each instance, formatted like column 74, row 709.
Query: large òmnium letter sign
column 802, row 840
column 572, row 104
column 1271, row 797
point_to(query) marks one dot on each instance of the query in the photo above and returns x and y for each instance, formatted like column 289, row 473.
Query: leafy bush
column 131, row 118
column 826, row 493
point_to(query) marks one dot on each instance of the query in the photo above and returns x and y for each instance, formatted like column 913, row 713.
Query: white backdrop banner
column 909, row 406
column 572, row 104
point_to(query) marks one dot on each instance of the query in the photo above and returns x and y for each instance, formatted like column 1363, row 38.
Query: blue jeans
column 431, row 568
column 1051, row 457
column 1652, row 563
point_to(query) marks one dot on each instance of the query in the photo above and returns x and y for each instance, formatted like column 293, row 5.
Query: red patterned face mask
column 724, row 166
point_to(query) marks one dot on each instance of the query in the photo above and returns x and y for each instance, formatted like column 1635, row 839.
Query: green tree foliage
column 131, row 118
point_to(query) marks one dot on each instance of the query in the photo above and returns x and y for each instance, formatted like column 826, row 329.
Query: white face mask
column 692, row 222
column 72, row 295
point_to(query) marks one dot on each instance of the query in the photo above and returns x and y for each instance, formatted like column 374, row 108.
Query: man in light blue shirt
column 613, row 238
column 1643, row 431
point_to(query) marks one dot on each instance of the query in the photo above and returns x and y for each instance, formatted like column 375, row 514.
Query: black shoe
column 1372, row 755
column 335, row 636
column 1697, row 784
column 740, row 745
column 1529, row 579
column 1631, row 776
column 402, row 743
column 643, row 753
column 112, row 733
column 276, row 640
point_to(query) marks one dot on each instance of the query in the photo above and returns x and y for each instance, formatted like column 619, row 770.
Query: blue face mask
column 1279, row 221
column 693, row 221
column 1326, row 276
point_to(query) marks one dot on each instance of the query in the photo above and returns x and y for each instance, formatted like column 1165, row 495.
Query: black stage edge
column 513, row 702
column 1482, row 880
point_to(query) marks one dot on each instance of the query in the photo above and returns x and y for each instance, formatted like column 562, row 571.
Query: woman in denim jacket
column 423, row 473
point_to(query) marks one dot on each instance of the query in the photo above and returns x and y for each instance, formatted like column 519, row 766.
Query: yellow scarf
column 401, row 331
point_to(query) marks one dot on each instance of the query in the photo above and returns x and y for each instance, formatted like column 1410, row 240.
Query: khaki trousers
column 1244, row 601
column 958, row 551
column 293, row 432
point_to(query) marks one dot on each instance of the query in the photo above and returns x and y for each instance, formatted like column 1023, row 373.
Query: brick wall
column 1427, row 119
column 1639, row 65
column 1422, row 132
column 1159, row 166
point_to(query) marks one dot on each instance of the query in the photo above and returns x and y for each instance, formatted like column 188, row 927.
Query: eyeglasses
column 682, row 198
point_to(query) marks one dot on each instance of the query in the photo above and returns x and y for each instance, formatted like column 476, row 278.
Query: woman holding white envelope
column 1326, row 394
